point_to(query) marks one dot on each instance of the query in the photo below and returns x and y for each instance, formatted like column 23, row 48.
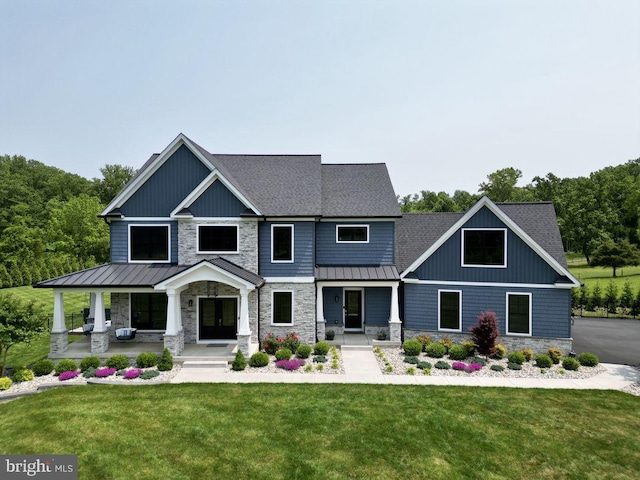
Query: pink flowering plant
column 132, row 373
column 68, row 375
column 474, row 367
column 105, row 372
column 293, row 364
column 459, row 366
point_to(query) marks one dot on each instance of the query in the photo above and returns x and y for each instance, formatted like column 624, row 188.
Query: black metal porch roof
column 357, row 272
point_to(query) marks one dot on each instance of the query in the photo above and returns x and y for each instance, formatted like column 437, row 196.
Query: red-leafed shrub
column 485, row 333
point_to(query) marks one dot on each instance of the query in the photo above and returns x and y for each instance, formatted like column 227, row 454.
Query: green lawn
column 329, row 432
column 602, row 275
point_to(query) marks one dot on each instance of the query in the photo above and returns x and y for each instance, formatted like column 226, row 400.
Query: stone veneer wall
column 247, row 257
column 537, row 344
column 120, row 319
column 304, row 311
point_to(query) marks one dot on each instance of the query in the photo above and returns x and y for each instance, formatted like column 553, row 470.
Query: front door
column 218, row 318
column 353, row 309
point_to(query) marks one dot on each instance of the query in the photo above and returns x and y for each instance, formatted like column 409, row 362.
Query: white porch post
column 394, row 316
column 243, row 326
column 99, row 324
column 174, row 334
column 320, row 321
column 92, row 305
column 58, row 313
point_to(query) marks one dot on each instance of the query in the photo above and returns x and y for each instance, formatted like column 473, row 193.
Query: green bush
column 528, row 354
column 66, row 365
column 479, row 360
column 87, row 362
column 458, row 352
column 500, row 351
column 516, row 357
column 303, row 351
column 117, row 361
column 569, row 363
column 146, row 360
column 555, row 354
column 514, row 366
column 43, row 367
column 283, row 354
column 259, row 359
column 497, row 368
column 89, row 372
column 441, row 365
column 149, row 374
column 240, row 363
column 411, row 359
column 424, row 365
column 447, row 342
column 470, row 346
column 587, row 359
column 543, row 361
column 435, row 350
column 321, row 348
column 5, row 383
column 320, row 359
column 412, row 347
column 22, row 374
column 292, row 342
column 166, row 361
column 425, row 340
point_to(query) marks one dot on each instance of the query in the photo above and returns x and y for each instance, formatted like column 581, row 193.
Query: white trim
column 440, row 328
column 289, row 219
column 344, row 308
column 131, row 314
column 289, row 225
column 484, row 201
column 480, row 265
column 168, row 225
column 355, row 284
column 357, row 219
column 144, row 219
column 522, row 294
column 414, row 281
column 289, row 279
column 222, row 252
column 210, row 341
column 273, row 323
column 351, row 225
column 204, row 272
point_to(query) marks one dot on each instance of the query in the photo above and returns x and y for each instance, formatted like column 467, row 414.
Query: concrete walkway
column 360, row 366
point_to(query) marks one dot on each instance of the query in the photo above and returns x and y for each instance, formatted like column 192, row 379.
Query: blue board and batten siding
column 120, row 239
column 217, row 201
column 378, row 251
column 550, row 307
column 168, row 186
column 303, row 262
column 377, row 306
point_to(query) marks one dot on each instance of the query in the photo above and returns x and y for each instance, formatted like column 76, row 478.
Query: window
column 149, row 311
column 282, row 308
column 485, row 248
column 149, row 243
column 217, row 239
column 519, row 313
column 352, row 233
column 450, row 310
column 282, row 243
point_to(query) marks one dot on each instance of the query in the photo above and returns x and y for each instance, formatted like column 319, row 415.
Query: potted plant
column 382, row 335
column 329, row 335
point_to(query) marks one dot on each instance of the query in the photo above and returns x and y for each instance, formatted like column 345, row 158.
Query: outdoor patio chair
column 126, row 333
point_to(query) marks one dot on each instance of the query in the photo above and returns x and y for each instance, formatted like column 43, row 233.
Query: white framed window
column 484, row 247
column 352, row 233
column 217, row 238
column 282, row 307
column 519, row 314
column 282, row 243
column 450, row 310
column 149, row 243
column 148, row 311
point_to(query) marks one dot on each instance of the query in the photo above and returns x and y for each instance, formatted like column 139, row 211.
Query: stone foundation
column 395, row 331
column 320, row 329
column 175, row 343
column 58, row 343
column 99, row 342
column 244, row 345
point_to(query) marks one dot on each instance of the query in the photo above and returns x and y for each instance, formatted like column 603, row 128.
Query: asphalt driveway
column 613, row 340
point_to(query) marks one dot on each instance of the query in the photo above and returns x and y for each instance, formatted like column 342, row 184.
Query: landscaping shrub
column 149, row 374
column 329, row 335
column 459, row 365
column 543, row 361
column 66, row 365
column 412, row 360
column 485, row 333
column 120, row 372
column 569, row 363
column 283, row 354
column 88, row 362
column 473, row 367
column 424, row 340
column 321, row 348
column 497, row 368
column 104, row 372
column 458, row 352
column 447, row 342
column 117, row 361
column 270, row 344
column 5, row 383
column 587, row 359
column 441, row 365
column 516, row 357
column 412, row 347
column 22, row 374
column 555, row 354
column 303, row 351
column 68, row 375
column 436, row 350
column 166, row 361
column 500, row 351
column 423, row 365
column 479, row 360
column 240, row 363
column 294, row 364
column 146, row 360
column 514, row 366
column 291, row 341
column 43, row 367
column 470, row 347
column 411, row 371
column 259, row 359
column 528, row 354
column 89, row 372
column 132, row 373
column 320, row 359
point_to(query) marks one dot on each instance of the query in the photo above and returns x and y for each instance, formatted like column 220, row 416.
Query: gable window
column 282, row 243
column 149, row 243
column 282, row 308
column 518, row 313
column 352, row 233
column 217, row 239
column 450, row 310
column 484, row 247
column 149, row 311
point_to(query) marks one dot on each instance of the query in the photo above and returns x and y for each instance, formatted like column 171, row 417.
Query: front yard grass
column 329, row 431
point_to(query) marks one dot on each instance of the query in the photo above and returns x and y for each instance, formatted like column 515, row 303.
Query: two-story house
column 210, row 249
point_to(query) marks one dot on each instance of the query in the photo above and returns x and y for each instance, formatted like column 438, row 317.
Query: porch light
column 336, row 298
column 190, row 303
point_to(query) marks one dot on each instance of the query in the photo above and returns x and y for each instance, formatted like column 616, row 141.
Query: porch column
column 100, row 334
column 92, row 305
column 59, row 335
column 394, row 316
column 244, row 330
column 320, row 321
column 174, row 334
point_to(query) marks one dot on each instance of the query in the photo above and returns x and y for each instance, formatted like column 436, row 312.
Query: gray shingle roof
column 355, row 272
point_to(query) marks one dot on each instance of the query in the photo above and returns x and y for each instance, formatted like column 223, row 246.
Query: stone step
column 356, row 348
column 205, row 364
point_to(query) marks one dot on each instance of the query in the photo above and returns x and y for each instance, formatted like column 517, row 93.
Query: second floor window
column 149, row 243
column 217, row 239
column 282, row 243
column 352, row 233
column 484, row 248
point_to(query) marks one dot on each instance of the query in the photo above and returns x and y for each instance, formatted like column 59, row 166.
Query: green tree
column 626, row 299
column 501, row 185
column 114, row 178
column 20, row 322
column 596, row 297
column 611, row 297
column 615, row 255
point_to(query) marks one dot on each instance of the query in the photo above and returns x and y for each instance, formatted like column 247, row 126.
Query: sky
column 444, row 92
